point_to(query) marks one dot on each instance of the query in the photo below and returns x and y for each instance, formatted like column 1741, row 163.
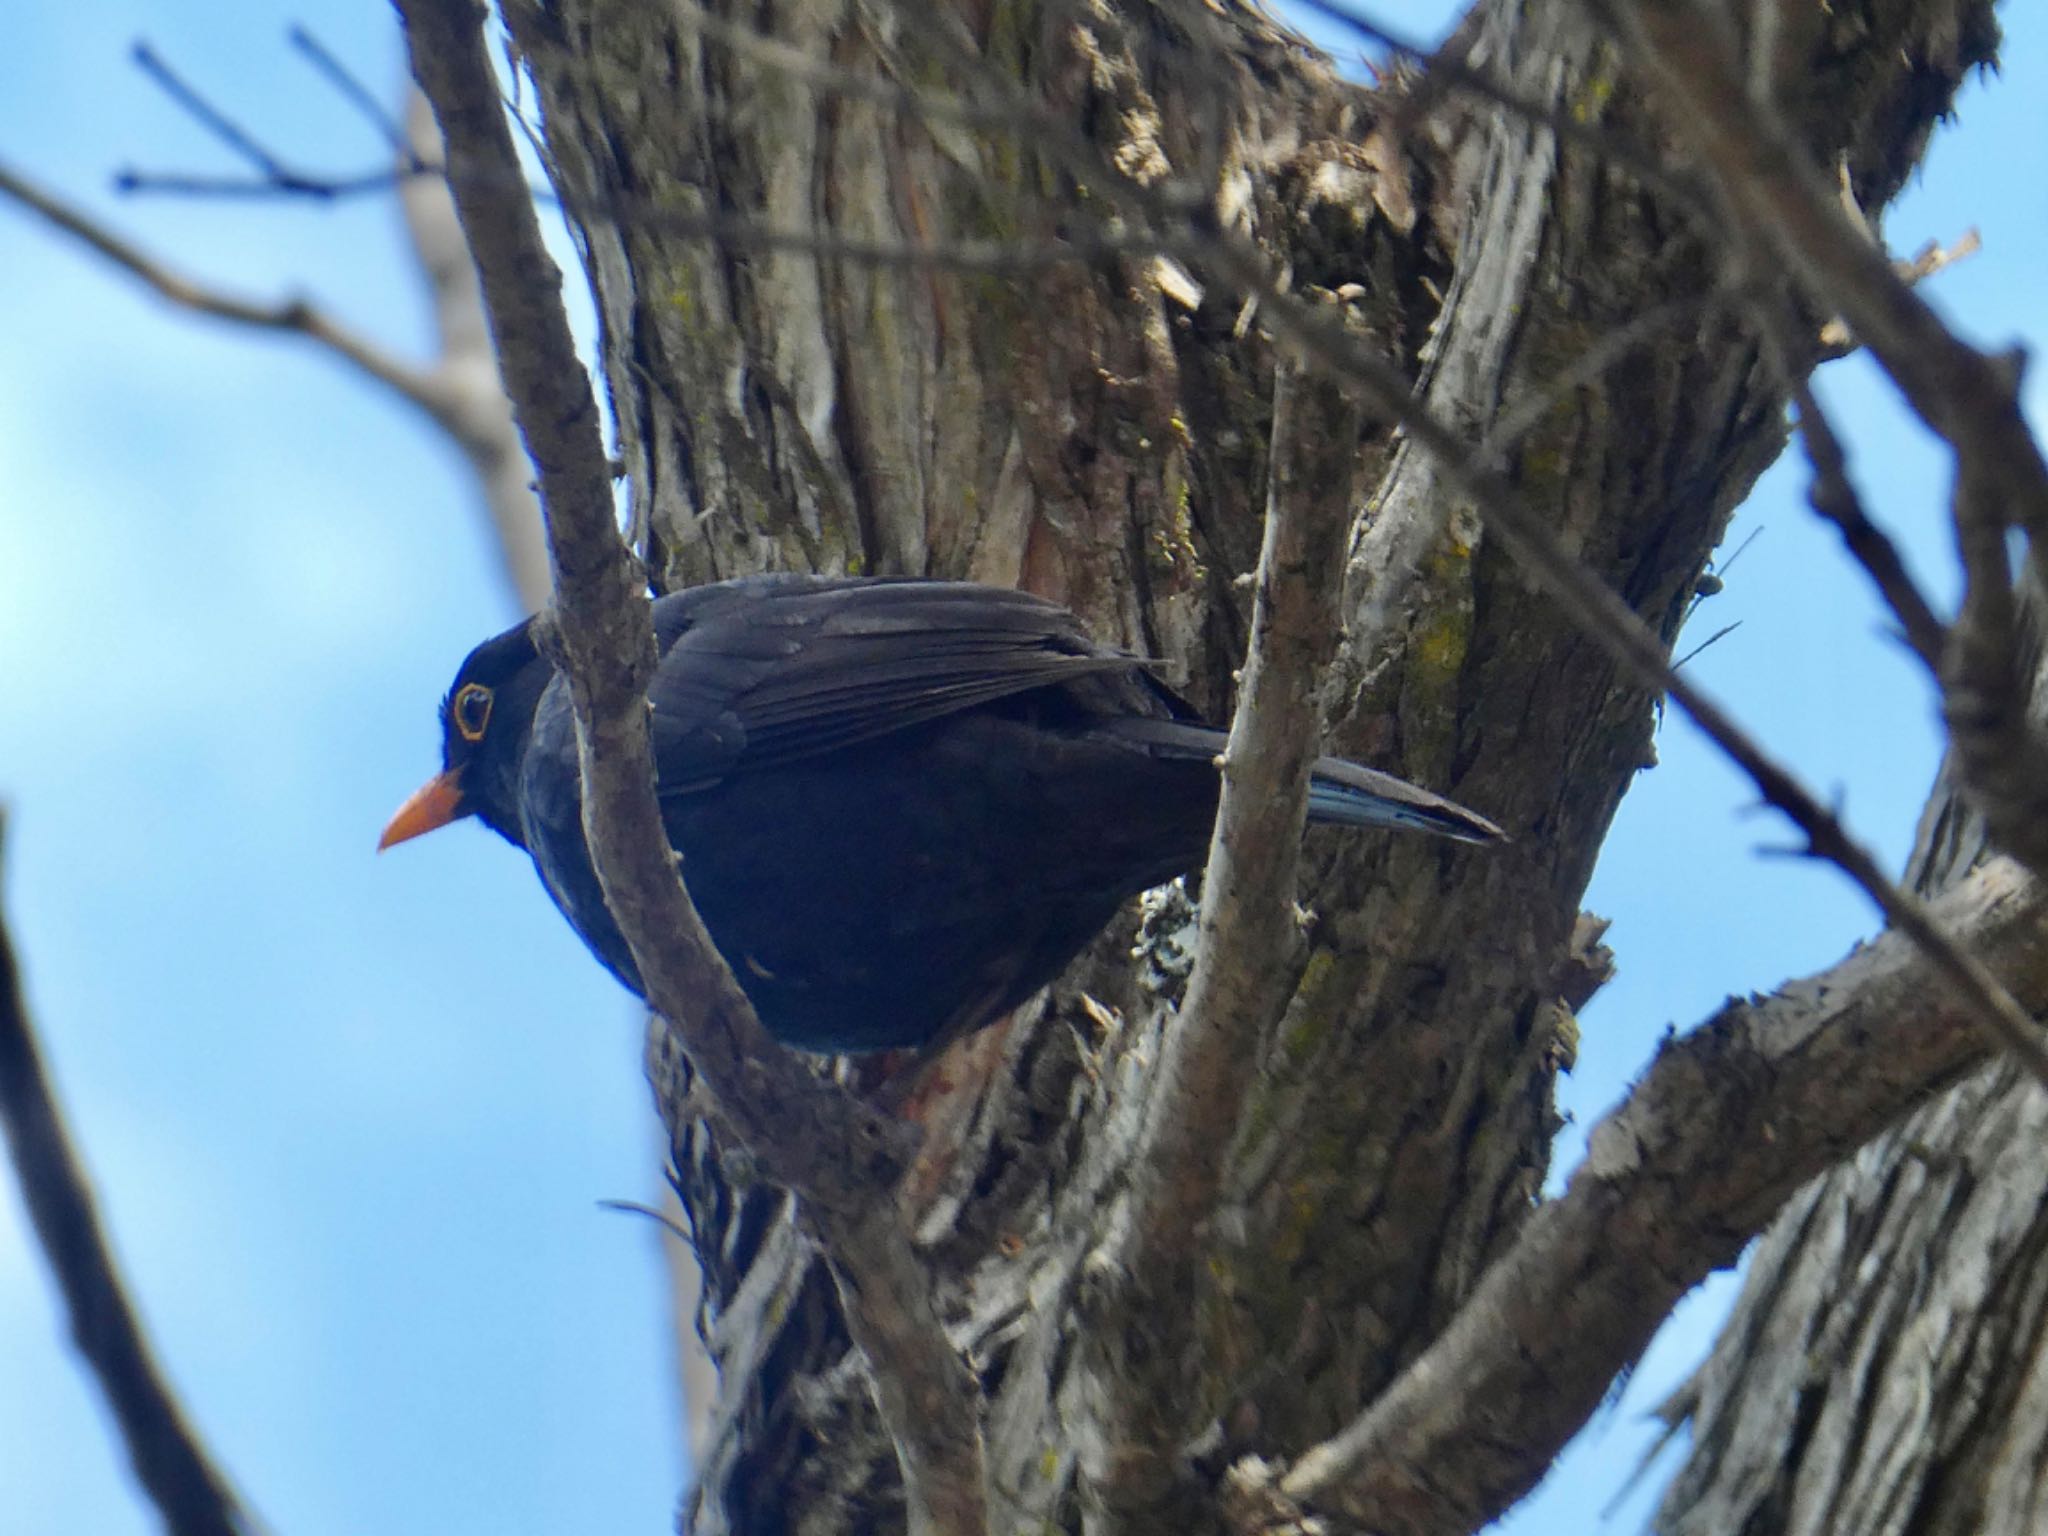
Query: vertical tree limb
column 837, row 1156
column 1250, row 944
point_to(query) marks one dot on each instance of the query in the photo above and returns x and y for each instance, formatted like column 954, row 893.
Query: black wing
column 766, row 670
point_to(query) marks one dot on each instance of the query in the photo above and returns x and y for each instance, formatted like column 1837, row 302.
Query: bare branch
column 358, row 95
column 461, row 395
column 1730, row 1119
column 1783, row 202
column 1250, row 944
column 834, row 1153
column 242, row 188
column 293, row 316
column 274, row 177
column 191, row 1494
column 1834, row 497
column 201, row 110
column 2000, row 754
column 1969, row 399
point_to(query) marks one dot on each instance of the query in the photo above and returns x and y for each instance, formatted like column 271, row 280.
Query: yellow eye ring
column 472, row 711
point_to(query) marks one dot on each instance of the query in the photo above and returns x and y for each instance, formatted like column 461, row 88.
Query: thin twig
column 191, row 1494
column 194, row 104
column 293, row 316
column 459, row 394
column 838, row 1156
column 357, row 95
column 255, row 189
column 1717, row 636
column 1833, row 496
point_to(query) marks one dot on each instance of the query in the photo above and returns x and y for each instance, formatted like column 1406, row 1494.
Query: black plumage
column 902, row 805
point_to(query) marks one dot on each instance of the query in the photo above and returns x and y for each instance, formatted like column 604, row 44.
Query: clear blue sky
column 351, row 1118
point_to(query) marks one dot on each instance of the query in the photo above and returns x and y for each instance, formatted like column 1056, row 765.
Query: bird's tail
column 1340, row 793
column 1347, row 795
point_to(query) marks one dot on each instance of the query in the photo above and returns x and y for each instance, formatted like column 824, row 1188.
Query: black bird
column 902, row 805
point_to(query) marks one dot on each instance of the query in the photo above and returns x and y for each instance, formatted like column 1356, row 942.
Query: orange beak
column 434, row 804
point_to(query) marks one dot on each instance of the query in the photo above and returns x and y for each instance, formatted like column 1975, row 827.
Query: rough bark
column 1097, row 428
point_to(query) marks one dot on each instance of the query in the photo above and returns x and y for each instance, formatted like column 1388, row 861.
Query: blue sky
column 350, row 1118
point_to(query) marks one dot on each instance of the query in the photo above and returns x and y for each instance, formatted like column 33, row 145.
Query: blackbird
column 902, row 805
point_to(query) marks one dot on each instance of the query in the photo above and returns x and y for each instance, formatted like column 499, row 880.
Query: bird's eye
column 472, row 711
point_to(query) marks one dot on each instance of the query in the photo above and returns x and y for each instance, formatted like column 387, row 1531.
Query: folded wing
column 780, row 669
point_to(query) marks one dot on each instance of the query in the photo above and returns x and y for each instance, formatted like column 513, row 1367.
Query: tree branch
column 1783, row 205
column 835, row 1154
column 1968, row 399
column 1833, row 495
column 2000, row 755
column 1729, row 1120
column 460, row 395
column 1250, row 943
column 191, row 1494
column 292, row 316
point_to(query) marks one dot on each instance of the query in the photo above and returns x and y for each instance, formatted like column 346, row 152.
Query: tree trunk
column 1055, row 406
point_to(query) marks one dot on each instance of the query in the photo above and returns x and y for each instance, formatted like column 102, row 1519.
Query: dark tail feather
column 1340, row 793
column 1350, row 796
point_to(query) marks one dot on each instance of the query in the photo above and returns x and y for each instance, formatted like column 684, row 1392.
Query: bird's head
column 486, row 720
